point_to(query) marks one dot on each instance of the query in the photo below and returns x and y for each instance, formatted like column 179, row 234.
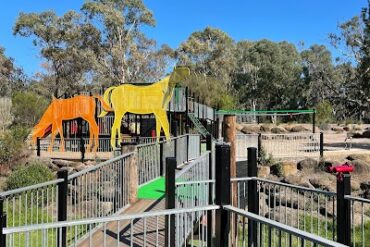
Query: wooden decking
column 139, row 232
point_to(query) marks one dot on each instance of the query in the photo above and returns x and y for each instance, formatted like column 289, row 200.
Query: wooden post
column 134, row 184
column 230, row 135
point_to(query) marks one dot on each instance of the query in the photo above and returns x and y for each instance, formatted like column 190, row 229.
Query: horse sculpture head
column 180, row 73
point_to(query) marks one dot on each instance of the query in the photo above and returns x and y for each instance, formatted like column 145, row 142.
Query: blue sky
column 292, row 20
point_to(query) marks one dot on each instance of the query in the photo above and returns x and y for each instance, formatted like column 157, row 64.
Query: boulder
column 250, row 129
column 238, row 127
column 284, row 169
column 360, row 167
column 278, row 130
column 337, row 129
column 364, row 157
column 80, row 167
column 299, row 180
column 63, row 163
column 263, row 171
column 299, row 128
column 366, row 134
column 324, row 181
column 266, row 127
column 5, row 170
column 307, row 164
column 355, row 184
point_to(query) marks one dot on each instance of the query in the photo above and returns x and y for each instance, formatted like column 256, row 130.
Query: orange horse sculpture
column 67, row 109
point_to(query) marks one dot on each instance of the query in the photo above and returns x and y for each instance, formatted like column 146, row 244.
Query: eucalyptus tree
column 268, row 72
column 66, row 43
column 353, row 41
column 11, row 77
column 210, row 55
column 126, row 54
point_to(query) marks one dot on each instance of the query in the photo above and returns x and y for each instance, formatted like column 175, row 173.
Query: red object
column 341, row 168
column 345, row 168
column 153, row 133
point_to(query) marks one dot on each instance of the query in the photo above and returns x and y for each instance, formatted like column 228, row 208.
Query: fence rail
column 272, row 233
column 145, row 229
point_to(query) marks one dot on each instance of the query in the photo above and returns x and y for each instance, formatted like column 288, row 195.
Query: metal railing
column 144, row 229
column 148, row 163
column 94, row 192
column 360, row 220
column 310, row 210
column 271, row 233
column 192, row 190
column 74, row 144
column 34, row 204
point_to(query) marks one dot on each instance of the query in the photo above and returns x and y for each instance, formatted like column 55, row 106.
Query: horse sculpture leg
column 158, row 126
column 161, row 115
column 116, row 128
column 94, row 134
column 53, row 133
column 59, row 127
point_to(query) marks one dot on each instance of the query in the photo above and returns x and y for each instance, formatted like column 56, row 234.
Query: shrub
column 33, row 173
column 28, row 107
column 12, row 143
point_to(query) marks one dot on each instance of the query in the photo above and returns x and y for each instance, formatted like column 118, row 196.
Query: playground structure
column 176, row 193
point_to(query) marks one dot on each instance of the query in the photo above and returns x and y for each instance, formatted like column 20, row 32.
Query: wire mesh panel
column 270, row 232
column 146, row 229
column 297, row 145
column 243, row 142
column 360, row 220
column 148, row 162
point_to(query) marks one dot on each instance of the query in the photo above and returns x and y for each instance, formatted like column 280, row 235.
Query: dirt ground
column 336, row 145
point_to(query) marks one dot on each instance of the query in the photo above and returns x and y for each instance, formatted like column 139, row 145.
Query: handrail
column 31, row 187
column 192, row 163
column 328, row 193
column 359, row 199
column 100, row 165
column 45, row 226
column 302, row 234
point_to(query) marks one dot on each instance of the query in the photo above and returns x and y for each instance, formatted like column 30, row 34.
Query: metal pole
column 343, row 209
column 253, row 196
column 259, row 145
column 187, row 110
column 314, row 121
column 38, row 146
column 170, row 200
column 321, row 145
column 161, row 166
column 222, row 195
column 210, row 192
column 62, row 205
column 2, row 222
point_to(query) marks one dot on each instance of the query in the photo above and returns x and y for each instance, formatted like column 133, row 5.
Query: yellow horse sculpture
column 143, row 100
column 67, row 109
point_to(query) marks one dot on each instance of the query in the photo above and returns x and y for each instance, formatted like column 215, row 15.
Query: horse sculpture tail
column 105, row 102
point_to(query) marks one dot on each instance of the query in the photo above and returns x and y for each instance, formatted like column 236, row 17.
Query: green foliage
column 324, row 112
column 277, row 169
column 27, row 108
column 265, row 159
column 27, row 175
column 10, row 147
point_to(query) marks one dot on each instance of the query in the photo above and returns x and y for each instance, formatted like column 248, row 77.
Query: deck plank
column 139, row 234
